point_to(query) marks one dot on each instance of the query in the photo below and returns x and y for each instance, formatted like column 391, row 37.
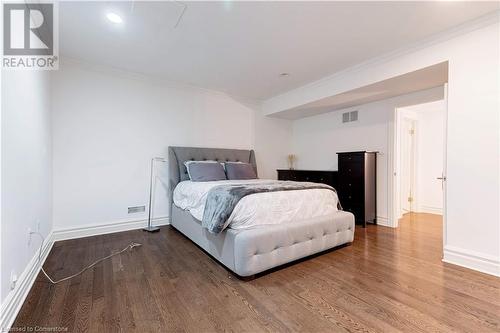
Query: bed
column 247, row 252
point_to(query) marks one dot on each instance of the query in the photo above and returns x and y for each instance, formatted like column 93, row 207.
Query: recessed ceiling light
column 115, row 18
column 284, row 74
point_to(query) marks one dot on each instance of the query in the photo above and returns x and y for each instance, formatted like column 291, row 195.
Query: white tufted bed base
column 251, row 251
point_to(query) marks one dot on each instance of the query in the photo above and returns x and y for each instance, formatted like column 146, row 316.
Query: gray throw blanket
column 222, row 199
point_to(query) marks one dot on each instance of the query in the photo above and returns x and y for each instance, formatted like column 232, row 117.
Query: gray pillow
column 201, row 171
column 240, row 170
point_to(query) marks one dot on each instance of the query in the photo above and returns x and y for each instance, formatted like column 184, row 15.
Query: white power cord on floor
column 129, row 247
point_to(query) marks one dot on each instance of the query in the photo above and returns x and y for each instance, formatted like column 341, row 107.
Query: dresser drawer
column 356, row 197
column 353, row 158
column 314, row 176
column 286, row 175
column 318, row 177
column 350, row 169
column 357, row 210
column 350, row 186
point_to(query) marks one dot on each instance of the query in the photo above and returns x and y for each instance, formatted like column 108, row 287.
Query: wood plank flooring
column 386, row 281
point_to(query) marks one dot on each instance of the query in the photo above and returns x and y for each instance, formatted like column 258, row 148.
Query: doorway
column 419, row 162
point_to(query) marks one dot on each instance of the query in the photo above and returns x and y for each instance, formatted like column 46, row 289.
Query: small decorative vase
column 291, row 160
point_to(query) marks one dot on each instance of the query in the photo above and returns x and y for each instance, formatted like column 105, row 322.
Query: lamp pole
column 152, row 187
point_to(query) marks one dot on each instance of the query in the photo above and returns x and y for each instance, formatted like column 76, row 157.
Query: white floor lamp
column 152, row 188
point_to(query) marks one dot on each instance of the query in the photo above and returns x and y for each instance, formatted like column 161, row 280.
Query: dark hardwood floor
column 387, row 280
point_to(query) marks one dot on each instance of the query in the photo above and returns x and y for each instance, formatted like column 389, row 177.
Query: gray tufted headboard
column 178, row 155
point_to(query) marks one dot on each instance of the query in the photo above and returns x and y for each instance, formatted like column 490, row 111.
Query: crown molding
column 149, row 79
column 457, row 31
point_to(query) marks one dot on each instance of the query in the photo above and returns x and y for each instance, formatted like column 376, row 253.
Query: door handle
column 442, row 179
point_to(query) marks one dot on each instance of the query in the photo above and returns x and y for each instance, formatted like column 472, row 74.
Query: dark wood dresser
column 315, row 176
column 357, row 186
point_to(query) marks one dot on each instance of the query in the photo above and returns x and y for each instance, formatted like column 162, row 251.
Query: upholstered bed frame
column 251, row 251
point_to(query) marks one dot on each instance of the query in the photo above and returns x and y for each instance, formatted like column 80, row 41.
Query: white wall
column 108, row 124
column 273, row 143
column 472, row 234
column 316, row 140
column 26, row 170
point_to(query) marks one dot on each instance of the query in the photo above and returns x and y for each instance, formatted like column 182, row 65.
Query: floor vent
column 136, row 209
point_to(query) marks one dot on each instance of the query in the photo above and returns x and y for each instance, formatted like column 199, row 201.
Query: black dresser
column 357, row 186
column 315, row 176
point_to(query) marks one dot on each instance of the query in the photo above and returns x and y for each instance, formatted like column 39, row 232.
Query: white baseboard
column 15, row 299
column 473, row 260
column 383, row 221
column 106, row 228
column 430, row 210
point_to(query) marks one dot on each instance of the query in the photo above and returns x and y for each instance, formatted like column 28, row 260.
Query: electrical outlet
column 13, row 279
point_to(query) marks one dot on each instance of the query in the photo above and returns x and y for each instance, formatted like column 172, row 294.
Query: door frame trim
column 392, row 169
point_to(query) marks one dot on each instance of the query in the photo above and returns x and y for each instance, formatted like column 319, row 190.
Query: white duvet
column 260, row 208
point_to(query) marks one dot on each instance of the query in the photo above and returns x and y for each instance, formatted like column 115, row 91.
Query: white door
column 407, row 155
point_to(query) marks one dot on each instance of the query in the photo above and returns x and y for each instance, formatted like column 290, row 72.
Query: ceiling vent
column 345, row 117
column 349, row 116
column 354, row 115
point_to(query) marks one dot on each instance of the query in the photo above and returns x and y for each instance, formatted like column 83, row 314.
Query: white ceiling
column 241, row 47
column 425, row 78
